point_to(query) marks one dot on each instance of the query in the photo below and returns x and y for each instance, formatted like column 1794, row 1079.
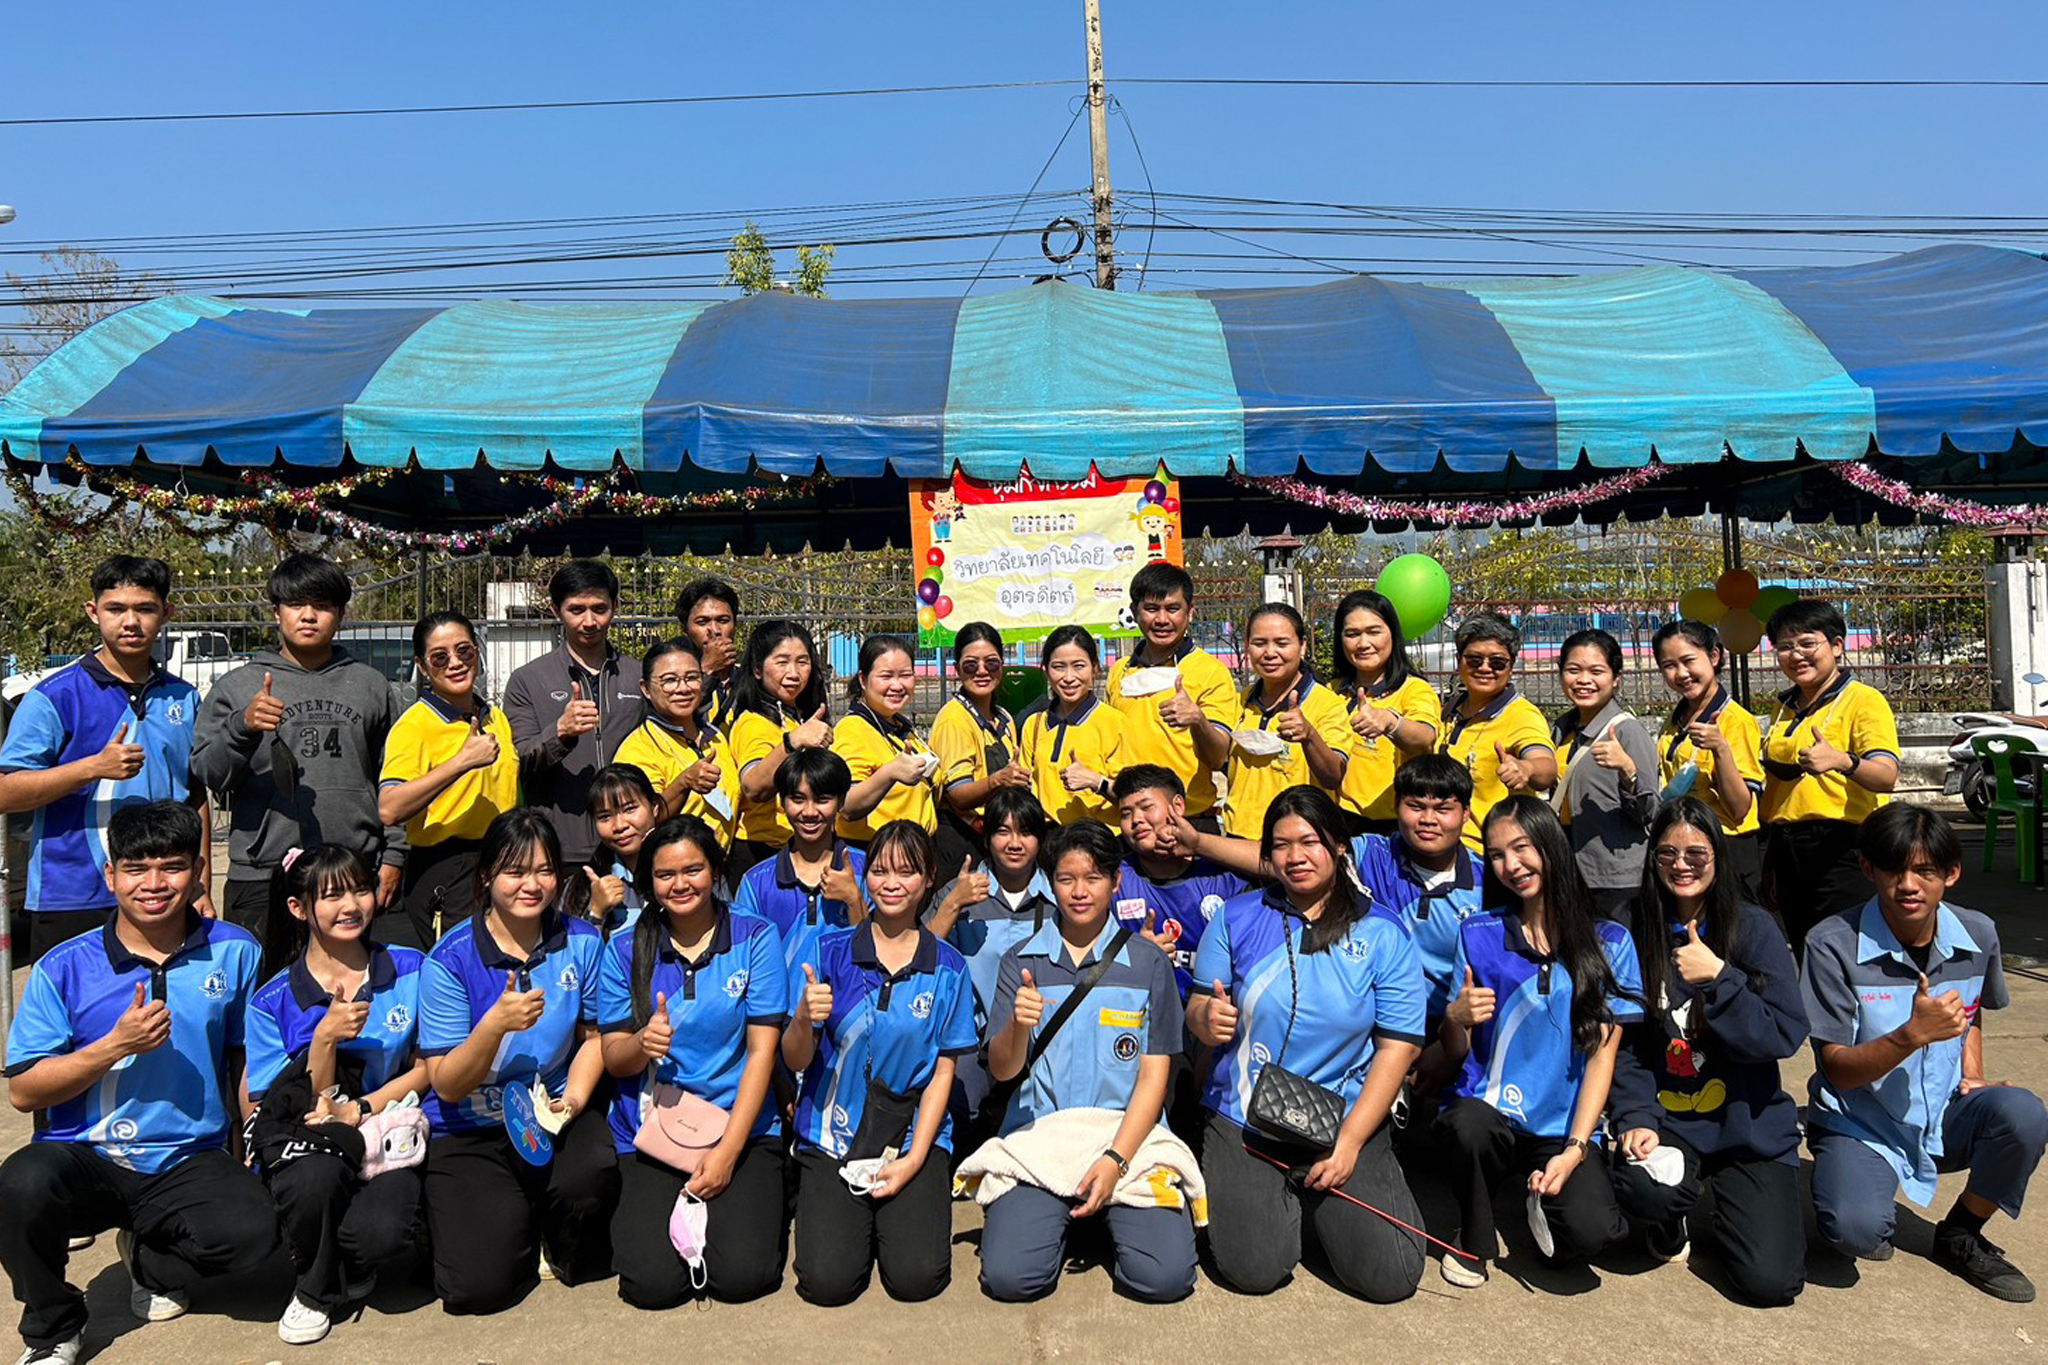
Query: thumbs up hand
column 816, row 1006
column 120, row 760
column 1029, row 1006
column 657, row 1034
column 973, row 885
column 1472, row 1006
column 1695, row 961
column 1219, row 1021
column 480, row 750
column 701, row 776
column 605, row 892
column 143, row 1027
column 579, row 717
column 1935, row 1018
column 814, row 733
column 1178, row 709
column 1291, row 725
column 838, row 884
column 1608, row 753
column 344, row 1020
column 515, row 1011
column 1372, row 722
column 1822, row 757
column 265, row 712
column 1513, row 773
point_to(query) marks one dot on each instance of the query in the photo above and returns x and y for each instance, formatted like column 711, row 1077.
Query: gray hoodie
column 335, row 720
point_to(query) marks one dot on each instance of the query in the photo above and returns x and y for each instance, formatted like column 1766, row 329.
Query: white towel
column 1054, row 1152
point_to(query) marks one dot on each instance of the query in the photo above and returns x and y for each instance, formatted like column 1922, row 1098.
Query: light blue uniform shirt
column 1365, row 987
column 152, row 1110
column 290, row 1005
column 800, row 913
column 1432, row 915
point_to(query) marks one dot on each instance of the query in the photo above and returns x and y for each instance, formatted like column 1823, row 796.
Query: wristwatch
column 1585, row 1145
column 1123, row 1167
column 787, row 747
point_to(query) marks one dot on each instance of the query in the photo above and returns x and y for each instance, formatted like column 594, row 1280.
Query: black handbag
column 1286, row 1106
column 885, row 1114
column 277, row 1133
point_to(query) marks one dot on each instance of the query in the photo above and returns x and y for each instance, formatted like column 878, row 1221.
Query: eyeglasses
column 1694, row 858
column 981, row 665
column 1805, row 647
column 676, row 682
column 1487, row 663
column 441, row 659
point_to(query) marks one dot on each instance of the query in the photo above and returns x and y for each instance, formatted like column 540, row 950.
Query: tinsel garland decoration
column 1980, row 516
column 1472, row 512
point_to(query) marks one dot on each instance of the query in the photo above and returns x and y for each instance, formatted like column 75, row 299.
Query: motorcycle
column 1969, row 776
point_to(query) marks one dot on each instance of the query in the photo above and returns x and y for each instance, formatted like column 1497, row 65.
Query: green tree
column 750, row 265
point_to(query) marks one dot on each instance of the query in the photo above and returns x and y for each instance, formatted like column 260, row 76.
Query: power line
column 1851, row 83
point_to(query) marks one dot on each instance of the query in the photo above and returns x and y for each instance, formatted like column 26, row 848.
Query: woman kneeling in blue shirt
column 882, row 1011
column 1308, row 975
column 693, row 1002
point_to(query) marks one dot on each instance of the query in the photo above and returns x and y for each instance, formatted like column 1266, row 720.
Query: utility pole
column 1098, row 150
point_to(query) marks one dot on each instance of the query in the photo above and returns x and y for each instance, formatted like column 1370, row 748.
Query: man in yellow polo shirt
column 1183, row 729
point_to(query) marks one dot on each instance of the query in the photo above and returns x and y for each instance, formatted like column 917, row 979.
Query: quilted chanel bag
column 1286, row 1105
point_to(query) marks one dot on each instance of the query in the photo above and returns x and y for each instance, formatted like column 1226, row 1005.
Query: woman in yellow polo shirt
column 1394, row 711
column 895, row 773
column 1709, row 747
column 1489, row 726
column 1830, row 757
column 687, row 761
column 1075, row 746
column 1306, row 731
column 778, row 707
column 449, row 770
column 976, row 741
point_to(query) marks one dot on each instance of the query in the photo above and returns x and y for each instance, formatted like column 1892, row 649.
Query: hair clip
column 291, row 855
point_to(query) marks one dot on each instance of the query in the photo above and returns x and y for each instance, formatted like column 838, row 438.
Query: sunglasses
column 441, row 658
column 1694, row 858
column 981, row 665
column 1487, row 663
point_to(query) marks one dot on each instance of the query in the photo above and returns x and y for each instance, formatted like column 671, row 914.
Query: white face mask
column 686, row 1226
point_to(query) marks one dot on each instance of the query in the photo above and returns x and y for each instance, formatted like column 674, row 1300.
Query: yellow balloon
column 1741, row 631
column 1703, row 605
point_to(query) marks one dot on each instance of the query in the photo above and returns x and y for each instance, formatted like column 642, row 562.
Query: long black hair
column 1574, row 932
column 1400, row 668
column 1721, row 916
column 313, row 873
column 748, row 693
column 611, row 786
column 1347, row 904
column 652, row 926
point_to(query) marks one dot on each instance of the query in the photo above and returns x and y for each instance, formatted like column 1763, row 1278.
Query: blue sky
column 1940, row 152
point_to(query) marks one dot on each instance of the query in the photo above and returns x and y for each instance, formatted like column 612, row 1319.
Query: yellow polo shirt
column 962, row 741
column 1511, row 721
column 1852, row 716
column 427, row 735
column 1096, row 738
column 1148, row 739
column 1369, row 774
column 752, row 737
column 867, row 743
column 1254, row 780
column 665, row 755
column 1674, row 751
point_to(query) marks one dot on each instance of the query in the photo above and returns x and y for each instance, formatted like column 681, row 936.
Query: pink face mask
column 686, row 1224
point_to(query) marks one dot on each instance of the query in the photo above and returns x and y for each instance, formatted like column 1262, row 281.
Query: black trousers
column 207, row 1215
column 1759, row 1224
column 1812, row 870
column 1482, row 1150
column 41, row 932
column 1746, row 860
column 842, row 1236
column 490, row 1214
column 247, row 903
column 339, row 1226
column 746, row 1230
column 437, row 892
column 1256, row 1212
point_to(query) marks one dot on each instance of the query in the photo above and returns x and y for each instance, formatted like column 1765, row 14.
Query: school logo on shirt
column 1125, row 1047
column 1211, row 907
column 397, row 1019
column 921, row 1007
column 175, row 712
column 736, row 984
column 1353, row 948
column 569, row 979
column 215, row 985
column 1511, row 1103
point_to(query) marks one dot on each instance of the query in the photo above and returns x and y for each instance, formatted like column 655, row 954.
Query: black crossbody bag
column 1287, row 1106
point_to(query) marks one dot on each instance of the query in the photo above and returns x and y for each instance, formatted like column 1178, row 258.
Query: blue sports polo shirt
column 463, row 977
column 1522, row 1061
column 800, row 913
column 987, row 930
column 290, row 1005
column 72, row 714
column 152, row 1110
column 1364, row 988
column 1859, row 982
column 1177, row 907
column 1432, row 914
column 1092, row 1062
column 740, row 980
column 887, row 1027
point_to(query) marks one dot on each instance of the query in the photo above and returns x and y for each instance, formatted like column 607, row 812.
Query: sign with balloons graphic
column 1737, row 606
column 1028, row 555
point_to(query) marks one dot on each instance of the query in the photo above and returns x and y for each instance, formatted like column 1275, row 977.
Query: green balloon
column 1769, row 600
column 1420, row 591
column 1019, row 688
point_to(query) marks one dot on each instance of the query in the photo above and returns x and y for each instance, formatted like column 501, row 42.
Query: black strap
column 1083, row 984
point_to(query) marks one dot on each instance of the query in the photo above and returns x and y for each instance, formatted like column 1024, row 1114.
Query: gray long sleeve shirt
column 557, row 772
column 1609, row 820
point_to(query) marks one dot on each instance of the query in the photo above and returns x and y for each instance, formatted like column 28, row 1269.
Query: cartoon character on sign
column 945, row 509
column 1154, row 516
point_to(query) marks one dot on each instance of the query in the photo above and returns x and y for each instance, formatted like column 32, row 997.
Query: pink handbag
column 393, row 1140
column 678, row 1129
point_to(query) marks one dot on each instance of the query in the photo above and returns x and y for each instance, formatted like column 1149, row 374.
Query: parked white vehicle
column 199, row 656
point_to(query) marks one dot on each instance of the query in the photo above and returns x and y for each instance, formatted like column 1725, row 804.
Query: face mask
column 686, row 1226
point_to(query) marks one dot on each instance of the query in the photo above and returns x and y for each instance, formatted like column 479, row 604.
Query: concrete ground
column 1626, row 1307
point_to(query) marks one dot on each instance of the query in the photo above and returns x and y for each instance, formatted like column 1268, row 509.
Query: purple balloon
column 928, row 592
column 1155, row 491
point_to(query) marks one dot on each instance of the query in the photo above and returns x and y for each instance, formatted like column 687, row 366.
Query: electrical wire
column 1025, row 199
column 1153, row 231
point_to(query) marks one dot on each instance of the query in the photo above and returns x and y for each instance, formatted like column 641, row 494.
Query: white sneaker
column 547, row 1268
column 150, row 1305
column 1460, row 1273
column 302, row 1323
column 80, row 1243
column 63, row 1353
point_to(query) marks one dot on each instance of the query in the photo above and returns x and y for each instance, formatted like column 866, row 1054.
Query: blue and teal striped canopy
column 1466, row 377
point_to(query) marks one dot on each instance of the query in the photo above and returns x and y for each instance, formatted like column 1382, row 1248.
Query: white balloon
column 6, row 213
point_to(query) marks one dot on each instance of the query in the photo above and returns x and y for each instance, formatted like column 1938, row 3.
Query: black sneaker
column 1970, row 1256
column 1668, row 1244
column 1881, row 1252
